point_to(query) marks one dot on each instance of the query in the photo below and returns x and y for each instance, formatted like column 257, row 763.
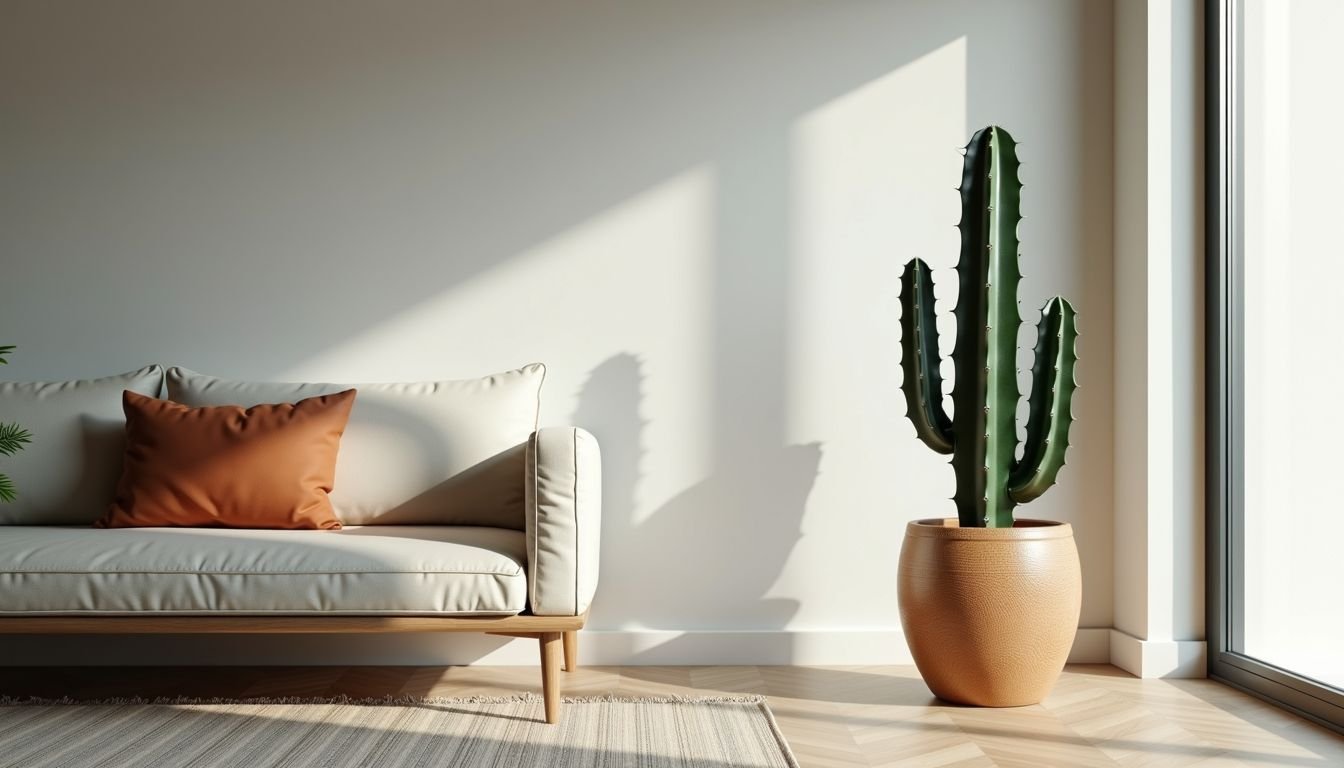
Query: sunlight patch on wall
column 875, row 171
column 635, row 280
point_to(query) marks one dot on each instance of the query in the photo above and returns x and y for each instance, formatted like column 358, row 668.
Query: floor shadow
column 848, row 686
column 1098, row 670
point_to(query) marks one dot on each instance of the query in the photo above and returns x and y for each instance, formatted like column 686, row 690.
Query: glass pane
column 1292, row 365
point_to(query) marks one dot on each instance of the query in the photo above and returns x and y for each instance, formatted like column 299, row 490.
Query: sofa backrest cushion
column 427, row 453
column 68, row 474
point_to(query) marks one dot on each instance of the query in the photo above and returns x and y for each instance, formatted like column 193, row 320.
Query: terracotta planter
column 990, row 613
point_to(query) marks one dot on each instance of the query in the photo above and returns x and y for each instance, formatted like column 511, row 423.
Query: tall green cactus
column 982, row 434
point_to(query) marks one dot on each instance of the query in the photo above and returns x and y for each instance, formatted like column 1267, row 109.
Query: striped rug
column 251, row 733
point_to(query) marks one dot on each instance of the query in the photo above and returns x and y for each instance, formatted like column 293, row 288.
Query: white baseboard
column 802, row 647
column 596, row 647
column 1158, row 658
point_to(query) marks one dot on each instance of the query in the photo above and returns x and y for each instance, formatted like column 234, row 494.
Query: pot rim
column 949, row 529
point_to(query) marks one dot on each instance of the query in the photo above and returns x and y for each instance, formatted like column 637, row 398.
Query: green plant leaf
column 8, row 492
column 12, row 439
column 5, row 350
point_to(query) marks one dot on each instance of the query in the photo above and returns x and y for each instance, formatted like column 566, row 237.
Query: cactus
column 981, row 436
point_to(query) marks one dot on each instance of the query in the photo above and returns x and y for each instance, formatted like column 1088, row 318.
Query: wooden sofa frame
column 552, row 632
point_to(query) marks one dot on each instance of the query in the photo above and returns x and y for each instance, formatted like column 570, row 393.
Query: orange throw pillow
column 269, row 466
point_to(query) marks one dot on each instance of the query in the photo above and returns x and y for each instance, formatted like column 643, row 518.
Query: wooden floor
column 832, row 716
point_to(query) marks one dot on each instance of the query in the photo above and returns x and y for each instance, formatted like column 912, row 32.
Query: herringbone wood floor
column 832, row 716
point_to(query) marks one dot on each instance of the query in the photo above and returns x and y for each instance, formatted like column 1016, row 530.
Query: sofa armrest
column 563, row 520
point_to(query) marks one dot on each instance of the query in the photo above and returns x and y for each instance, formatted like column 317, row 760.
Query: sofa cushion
column 403, row 570
column 67, row 475
column 268, row 466
column 429, row 453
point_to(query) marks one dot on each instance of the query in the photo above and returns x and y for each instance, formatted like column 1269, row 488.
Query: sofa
column 458, row 514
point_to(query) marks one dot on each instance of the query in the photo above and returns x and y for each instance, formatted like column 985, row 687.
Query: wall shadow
column 609, row 407
column 716, row 549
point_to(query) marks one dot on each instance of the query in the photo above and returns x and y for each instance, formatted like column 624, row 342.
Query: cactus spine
column 982, row 434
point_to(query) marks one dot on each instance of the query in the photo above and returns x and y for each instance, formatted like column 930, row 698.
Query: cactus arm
column 1051, row 414
column 985, row 394
column 923, row 384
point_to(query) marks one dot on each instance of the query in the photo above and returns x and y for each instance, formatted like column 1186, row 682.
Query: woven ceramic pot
column 990, row 613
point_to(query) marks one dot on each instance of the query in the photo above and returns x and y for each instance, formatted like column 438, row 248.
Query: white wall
column 694, row 213
column 1159, row 406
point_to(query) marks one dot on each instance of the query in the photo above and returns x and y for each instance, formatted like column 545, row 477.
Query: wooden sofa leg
column 551, row 652
column 571, row 650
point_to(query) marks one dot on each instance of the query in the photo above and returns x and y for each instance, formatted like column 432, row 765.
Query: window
column 1276, row 345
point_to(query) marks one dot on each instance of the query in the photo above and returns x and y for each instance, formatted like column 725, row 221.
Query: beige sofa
column 459, row 514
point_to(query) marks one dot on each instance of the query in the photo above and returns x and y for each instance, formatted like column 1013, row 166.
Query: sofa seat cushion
column 385, row 570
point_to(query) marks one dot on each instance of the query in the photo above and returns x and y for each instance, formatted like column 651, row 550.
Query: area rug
column 251, row 733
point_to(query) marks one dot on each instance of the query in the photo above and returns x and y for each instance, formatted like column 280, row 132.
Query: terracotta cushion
column 269, row 466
